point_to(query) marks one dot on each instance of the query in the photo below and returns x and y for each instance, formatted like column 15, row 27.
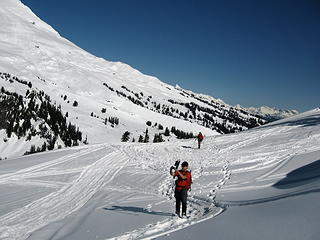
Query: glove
column 176, row 164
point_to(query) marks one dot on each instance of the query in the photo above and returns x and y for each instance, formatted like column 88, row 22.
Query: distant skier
column 183, row 184
column 200, row 138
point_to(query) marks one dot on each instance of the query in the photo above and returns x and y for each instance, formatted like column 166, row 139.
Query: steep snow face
column 31, row 47
column 259, row 184
column 31, row 50
column 35, row 53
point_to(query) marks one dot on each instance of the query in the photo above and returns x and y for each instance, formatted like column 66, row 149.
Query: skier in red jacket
column 200, row 137
column 183, row 184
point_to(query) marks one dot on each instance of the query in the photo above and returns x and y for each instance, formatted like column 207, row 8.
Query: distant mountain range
column 269, row 113
column 54, row 95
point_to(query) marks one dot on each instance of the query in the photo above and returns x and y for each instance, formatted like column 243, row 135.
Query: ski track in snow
column 20, row 223
column 198, row 209
column 221, row 157
column 38, row 170
column 201, row 209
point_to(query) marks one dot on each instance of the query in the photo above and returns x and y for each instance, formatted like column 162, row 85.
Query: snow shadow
column 300, row 176
column 187, row 147
column 137, row 210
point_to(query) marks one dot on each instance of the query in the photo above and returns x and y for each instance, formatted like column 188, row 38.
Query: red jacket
column 183, row 183
column 200, row 136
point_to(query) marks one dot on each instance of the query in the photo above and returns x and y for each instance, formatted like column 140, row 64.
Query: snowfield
column 259, row 184
column 262, row 183
column 90, row 90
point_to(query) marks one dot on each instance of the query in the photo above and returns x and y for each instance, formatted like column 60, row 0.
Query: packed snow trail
column 263, row 151
column 94, row 182
column 198, row 209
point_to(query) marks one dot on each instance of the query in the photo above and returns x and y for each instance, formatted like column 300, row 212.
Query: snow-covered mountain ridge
column 92, row 93
column 269, row 113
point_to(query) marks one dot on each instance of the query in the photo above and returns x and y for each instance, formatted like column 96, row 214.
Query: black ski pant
column 181, row 197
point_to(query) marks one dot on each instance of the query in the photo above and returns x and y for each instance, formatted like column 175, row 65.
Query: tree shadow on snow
column 187, row 147
column 300, row 176
column 136, row 210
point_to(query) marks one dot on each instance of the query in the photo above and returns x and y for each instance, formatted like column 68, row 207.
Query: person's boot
column 184, row 216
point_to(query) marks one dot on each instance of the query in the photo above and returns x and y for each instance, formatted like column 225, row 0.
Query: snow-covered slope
column 269, row 113
column 258, row 184
column 88, row 90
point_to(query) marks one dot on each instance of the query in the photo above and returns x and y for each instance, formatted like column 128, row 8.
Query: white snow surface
column 34, row 52
column 259, row 184
column 269, row 112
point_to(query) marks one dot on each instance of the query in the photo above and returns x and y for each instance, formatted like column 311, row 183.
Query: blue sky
column 255, row 53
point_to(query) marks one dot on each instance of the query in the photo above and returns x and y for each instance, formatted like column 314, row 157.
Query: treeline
column 11, row 79
column 230, row 120
column 158, row 137
column 136, row 99
column 215, row 116
column 112, row 120
column 181, row 134
column 18, row 115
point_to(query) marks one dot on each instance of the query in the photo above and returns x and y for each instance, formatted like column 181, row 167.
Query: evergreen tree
column 125, row 137
column 75, row 143
column 32, row 149
column 167, row 132
column 157, row 138
column 9, row 129
column 146, row 136
column 86, row 140
column 160, row 139
column 79, row 134
column 52, row 141
column 44, row 147
column 140, row 140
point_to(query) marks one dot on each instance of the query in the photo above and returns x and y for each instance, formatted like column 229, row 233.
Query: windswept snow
column 260, row 183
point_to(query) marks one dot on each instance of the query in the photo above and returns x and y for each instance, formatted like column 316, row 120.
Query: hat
column 184, row 164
